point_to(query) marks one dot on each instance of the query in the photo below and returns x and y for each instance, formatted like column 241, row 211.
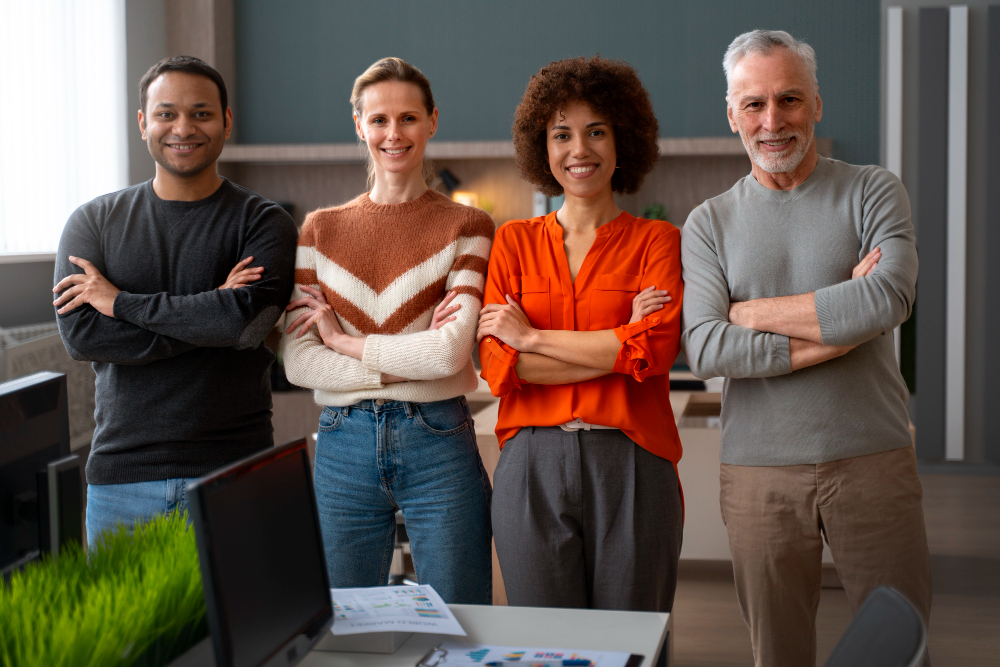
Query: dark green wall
column 297, row 59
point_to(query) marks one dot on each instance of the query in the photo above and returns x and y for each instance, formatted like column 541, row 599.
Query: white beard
column 776, row 163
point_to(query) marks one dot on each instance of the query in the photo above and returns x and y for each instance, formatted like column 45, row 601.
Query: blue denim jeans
column 375, row 457
column 131, row 504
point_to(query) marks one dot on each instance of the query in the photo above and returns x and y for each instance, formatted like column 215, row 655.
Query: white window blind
column 63, row 111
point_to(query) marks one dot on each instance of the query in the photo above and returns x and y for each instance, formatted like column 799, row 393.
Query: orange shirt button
column 489, row 340
column 628, row 354
column 656, row 320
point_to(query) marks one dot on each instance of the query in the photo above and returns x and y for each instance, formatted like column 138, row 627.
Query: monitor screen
column 258, row 531
column 34, row 431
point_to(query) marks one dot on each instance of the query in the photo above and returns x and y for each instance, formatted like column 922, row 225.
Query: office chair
column 886, row 632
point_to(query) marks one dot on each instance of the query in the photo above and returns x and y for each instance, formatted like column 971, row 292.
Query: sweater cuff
column 780, row 355
column 825, row 315
column 372, row 354
column 130, row 307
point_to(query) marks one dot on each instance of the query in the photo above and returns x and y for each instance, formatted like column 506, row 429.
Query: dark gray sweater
column 752, row 242
column 182, row 385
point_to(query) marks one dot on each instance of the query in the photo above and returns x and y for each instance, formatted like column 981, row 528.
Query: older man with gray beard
column 794, row 281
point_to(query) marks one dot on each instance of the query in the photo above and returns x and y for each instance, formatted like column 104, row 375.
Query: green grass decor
column 131, row 600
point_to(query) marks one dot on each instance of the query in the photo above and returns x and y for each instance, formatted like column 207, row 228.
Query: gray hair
column 763, row 42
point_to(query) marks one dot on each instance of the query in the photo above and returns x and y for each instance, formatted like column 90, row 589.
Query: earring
column 546, row 169
column 618, row 163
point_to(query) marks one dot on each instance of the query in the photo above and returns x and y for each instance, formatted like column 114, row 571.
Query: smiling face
column 395, row 125
column 774, row 105
column 184, row 124
column 581, row 150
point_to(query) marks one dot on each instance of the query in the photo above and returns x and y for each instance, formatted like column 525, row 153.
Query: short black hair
column 188, row 64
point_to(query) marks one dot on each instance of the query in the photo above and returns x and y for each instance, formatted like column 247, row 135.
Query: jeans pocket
column 447, row 417
column 330, row 419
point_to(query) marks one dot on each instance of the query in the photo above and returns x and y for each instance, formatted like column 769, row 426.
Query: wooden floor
column 963, row 527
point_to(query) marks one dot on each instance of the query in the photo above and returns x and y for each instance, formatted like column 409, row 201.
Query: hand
column 867, row 264
column 648, row 301
column 443, row 311
column 87, row 287
column 506, row 322
column 320, row 313
column 241, row 275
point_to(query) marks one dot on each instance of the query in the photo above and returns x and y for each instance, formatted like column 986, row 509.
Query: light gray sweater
column 752, row 242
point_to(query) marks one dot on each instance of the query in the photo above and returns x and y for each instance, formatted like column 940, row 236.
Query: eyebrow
column 791, row 92
column 566, row 127
column 171, row 105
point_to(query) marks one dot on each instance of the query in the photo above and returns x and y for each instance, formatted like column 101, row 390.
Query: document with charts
column 392, row 609
column 469, row 655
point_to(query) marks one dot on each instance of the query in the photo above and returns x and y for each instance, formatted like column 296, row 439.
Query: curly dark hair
column 612, row 88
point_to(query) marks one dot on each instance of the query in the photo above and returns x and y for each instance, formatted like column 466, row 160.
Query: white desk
column 633, row 631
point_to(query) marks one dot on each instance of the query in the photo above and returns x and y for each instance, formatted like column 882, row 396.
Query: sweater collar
column 427, row 197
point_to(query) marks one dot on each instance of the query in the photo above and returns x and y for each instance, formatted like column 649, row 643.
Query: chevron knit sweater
column 384, row 268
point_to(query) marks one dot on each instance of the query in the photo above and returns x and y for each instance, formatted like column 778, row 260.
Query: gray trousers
column 586, row 519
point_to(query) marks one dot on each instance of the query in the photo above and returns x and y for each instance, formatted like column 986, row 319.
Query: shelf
column 465, row 150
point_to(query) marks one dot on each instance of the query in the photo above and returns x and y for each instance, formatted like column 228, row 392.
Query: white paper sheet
column 470, row 655
column 392, row 609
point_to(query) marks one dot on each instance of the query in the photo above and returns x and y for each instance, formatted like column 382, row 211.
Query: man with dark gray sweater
column 155, row 286
column 793, row 283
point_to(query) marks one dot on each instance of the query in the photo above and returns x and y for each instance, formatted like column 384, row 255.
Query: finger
column 87, row 267
column 448, row 311
column 306, row 326
column 491, row 308
column 298, row 303
column 652, row 308
column 511, row 301
column 70, row 293
column 71, row 279
column 75, row 303
column 448, row 298
column 310, row 290
column 298, row 320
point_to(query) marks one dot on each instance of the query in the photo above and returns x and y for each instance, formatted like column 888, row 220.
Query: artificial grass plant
column 133, row 599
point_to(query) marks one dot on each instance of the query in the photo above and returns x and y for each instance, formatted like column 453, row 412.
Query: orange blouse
column 528, row 261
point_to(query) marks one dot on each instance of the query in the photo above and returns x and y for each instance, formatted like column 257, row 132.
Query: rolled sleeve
column 498, row 362
column 636, row 356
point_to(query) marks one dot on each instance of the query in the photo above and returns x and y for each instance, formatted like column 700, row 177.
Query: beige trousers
column 869, row 510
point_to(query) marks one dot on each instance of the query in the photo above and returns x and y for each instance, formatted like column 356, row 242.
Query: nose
column 393, row 131
column 773, row 118
column 183, row 127
column 579, row 147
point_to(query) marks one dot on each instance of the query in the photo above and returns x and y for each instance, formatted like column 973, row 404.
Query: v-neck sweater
column 529, row 262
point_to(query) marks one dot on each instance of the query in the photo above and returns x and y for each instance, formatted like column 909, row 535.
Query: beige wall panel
column 682, row 183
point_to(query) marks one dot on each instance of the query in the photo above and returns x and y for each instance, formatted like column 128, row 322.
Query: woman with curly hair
column 580, row 326
column 388, row 288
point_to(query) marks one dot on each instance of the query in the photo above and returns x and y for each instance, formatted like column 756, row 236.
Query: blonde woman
column 388, row 289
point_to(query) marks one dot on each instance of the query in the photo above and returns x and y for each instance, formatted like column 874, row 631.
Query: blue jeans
column 131, row 504
column 378, row 456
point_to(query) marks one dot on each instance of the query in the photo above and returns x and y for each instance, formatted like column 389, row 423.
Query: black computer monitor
column 262, row 562
column 34, row 432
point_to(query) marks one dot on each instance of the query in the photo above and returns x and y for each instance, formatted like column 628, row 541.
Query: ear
column 434, row 121
column 358, row 130
column 819, row 107
column 228, row 119
column 142, row 124
column 732, row 117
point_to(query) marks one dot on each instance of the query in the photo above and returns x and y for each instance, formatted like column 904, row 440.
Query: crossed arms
column 98, row 322
column 774, row 336
column 512, row 351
